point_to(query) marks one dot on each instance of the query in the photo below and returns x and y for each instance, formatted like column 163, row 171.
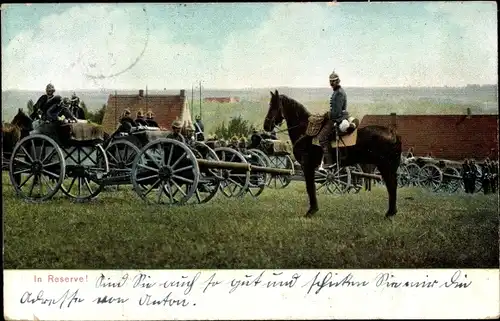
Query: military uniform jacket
column 78, row 112
column 141, row 121
column 338, row 104
column 43, row 104
column 152, row 123
column 200, row 126
column 176, row 136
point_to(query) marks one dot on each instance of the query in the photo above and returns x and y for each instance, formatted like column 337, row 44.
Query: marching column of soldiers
column 488, row 177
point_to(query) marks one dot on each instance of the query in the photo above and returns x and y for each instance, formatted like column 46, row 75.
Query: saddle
column 347, row 137
column 316, row 123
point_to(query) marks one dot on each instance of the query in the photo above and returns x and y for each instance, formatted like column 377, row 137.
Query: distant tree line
column 95, row 117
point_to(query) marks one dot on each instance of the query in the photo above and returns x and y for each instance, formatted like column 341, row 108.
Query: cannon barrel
column 270, row 170
column 367, row 175
column 223, row 165
column 452, row 176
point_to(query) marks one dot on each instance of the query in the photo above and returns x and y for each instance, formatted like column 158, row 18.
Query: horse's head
column 274, row 115
column 22, row 121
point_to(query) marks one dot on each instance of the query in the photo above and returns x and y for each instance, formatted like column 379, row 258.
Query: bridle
column 280, row 112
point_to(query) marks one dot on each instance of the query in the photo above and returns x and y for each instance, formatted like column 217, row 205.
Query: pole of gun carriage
column 146, row 100
column 192, row 100
column 116, row 116
column 200, row 99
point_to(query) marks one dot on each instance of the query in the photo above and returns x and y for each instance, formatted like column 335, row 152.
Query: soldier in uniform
column 126, row 122
column 139, row 119
column 466, row 175
column 150, row 121
column 338, row 104
column 486, row 177
column 473, row 175
column 190, row 134
column 176, row 131
column 199, row 129
column 43, row 103
column 234, row 142
column 75, row 108
column 494, row 180
column 243, row 143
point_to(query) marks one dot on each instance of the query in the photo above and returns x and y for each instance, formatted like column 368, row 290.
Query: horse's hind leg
column 389, row 176
column 308, row 170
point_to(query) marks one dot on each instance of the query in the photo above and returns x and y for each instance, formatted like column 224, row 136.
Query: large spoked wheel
column 37, row 168
column 167, row 167
column 404, row 177
column 331, row 181
column 277, row 181
column 262, row 155
column 450, row 181
column 121, row 155
column 235, row 181
column 430, row 177
column 210, row 178
column 85, row 168
column 357, row 182
column 257, row 180
column 414, row 174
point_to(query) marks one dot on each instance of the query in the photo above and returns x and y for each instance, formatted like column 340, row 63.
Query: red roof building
column 166, row 109
column 222, row 99
column 452, row 137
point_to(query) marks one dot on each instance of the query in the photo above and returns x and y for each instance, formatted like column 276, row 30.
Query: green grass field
column 118, row 231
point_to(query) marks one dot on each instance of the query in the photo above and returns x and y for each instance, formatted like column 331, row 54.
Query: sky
column 244, row 45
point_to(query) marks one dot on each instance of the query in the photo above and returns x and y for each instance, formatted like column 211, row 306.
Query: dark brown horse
column 375, row 145
column 12, row 133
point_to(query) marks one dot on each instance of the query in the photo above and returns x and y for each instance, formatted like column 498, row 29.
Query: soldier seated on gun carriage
column 75, row 108
column 139, row 119
column 127, row 124
column 176, row 131
column 234, row 142
column 49, row 106
column 188, row 134
column 150, row 120
column 243, row 143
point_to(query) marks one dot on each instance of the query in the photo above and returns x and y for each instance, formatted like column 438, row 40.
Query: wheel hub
column 36, row 167
column 165, row 173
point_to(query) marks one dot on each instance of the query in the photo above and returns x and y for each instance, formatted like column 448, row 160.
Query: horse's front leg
column 308, row 170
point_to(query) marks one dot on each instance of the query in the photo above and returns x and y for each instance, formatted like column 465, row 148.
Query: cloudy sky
column 127, row 46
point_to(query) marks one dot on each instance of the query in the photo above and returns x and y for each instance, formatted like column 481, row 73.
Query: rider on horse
column 338, row 104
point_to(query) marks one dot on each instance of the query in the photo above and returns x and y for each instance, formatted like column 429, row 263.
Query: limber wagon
column 441, row 175
column 160, row 169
